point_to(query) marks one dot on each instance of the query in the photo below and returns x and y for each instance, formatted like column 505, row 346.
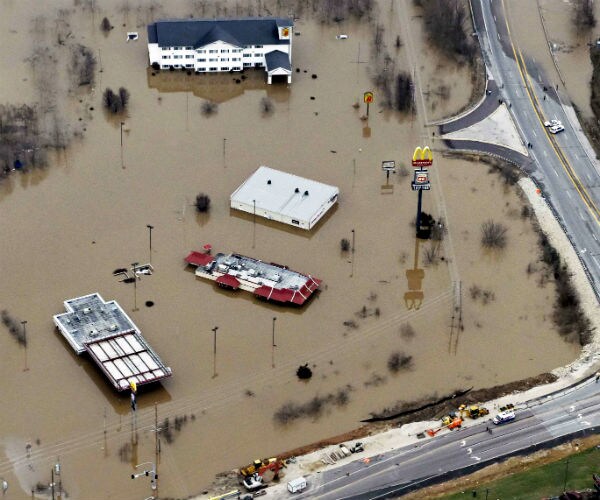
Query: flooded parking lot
column 65, row 229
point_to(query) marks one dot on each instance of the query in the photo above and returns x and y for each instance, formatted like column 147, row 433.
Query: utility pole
column 352, row 256
column 148, row 472
column 214, row 330
column 25, row 344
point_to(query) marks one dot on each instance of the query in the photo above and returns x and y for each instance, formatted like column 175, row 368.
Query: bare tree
column 105, row 25
column 404, row 92
column 202, row 203
column 445, row 24
column 124, row 96
column 493, row 234
column 209, row 108
column 266, row 106
column 584, row 18
column 83, row 64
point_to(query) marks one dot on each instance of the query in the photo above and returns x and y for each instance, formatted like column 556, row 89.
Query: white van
column 297, row 485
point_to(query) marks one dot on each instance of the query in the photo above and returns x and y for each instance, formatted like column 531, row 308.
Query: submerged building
column 113, row 341
column 283, row 197
column 217, row 45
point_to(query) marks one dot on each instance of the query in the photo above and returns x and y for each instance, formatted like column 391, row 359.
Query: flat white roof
column 283, row 193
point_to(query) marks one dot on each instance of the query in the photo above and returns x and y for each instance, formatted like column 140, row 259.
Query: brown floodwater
column 569, row 46
column 66, row 228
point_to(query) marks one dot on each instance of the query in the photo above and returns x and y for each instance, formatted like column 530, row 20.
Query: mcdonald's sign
column 422, row 157
column 368, row 97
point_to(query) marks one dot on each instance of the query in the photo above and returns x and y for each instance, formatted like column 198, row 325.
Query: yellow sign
column 285, row 32
column 368, row 97
column 422, row 157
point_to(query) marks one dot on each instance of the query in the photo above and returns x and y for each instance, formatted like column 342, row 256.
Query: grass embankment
column 571, row 473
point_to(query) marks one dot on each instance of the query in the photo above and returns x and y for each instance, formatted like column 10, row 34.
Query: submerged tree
column 202, row 203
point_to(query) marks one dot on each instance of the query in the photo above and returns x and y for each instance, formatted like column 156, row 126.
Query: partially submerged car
column 504, row 416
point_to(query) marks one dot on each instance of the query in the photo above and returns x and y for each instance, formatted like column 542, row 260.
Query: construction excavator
column 473, row 411
column 261, row 467
column 449, row 422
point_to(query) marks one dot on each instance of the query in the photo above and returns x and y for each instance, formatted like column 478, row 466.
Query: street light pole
column 134, row 267
column 25, row 344
column 274, row 344
column 566, row 475
column 214, row 330
column 352, row 257
column 254, row 225
column 150, row 228
column 122, row 123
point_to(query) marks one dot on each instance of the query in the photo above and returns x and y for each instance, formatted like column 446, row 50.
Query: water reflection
column 216, row 87
column 414, row 297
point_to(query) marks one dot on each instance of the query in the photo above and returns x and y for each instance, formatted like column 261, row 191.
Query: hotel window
column 166, row 57
column 213, row 51
column 189, row 57
column 213, row 60
column 224, row 59
column 201, row 51
column 224, row 51
column 201, row 60
column 212, row 69
column 247, row 55
column 225, row 69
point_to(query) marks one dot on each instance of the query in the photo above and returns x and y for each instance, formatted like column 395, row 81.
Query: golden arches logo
column 422, row 157
column 285, row 32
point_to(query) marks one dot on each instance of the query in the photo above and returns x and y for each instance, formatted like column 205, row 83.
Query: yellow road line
column 535, row 104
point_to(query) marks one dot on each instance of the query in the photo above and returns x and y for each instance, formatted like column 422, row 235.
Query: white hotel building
column 217, row 45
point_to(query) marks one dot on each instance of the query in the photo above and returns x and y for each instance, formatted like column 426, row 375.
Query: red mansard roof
column 228, row 280
column 199, row 259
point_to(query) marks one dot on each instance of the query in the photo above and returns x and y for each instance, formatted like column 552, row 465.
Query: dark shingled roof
column 200, row 32
column 277, row 59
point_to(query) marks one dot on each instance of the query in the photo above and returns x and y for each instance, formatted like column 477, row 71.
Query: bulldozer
column 267, row 468
column 473, row 411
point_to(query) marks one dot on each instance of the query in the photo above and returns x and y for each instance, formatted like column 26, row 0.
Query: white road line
column 568, row 194
column 534, row 133
column 555, row 171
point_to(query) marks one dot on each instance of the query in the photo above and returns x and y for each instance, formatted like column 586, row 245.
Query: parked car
column 504, row 416
column 555, row 129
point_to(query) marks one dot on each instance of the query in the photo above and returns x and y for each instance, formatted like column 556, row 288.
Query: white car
column 504, row 416
column 551, row 123
column 555, row 129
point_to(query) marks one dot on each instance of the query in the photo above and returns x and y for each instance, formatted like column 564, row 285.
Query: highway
column 560, row 166
column 574, row 412
column 570, row 181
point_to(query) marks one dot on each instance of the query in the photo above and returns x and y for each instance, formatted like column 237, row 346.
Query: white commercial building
column 217, row 45
column 284, row 197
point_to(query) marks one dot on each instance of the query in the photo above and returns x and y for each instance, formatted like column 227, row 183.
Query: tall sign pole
column 422, row 157
column 368, row 98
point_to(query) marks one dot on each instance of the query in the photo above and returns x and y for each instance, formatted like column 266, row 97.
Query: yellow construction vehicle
column 473, row 411
column 261, row 466
column 452, row 421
